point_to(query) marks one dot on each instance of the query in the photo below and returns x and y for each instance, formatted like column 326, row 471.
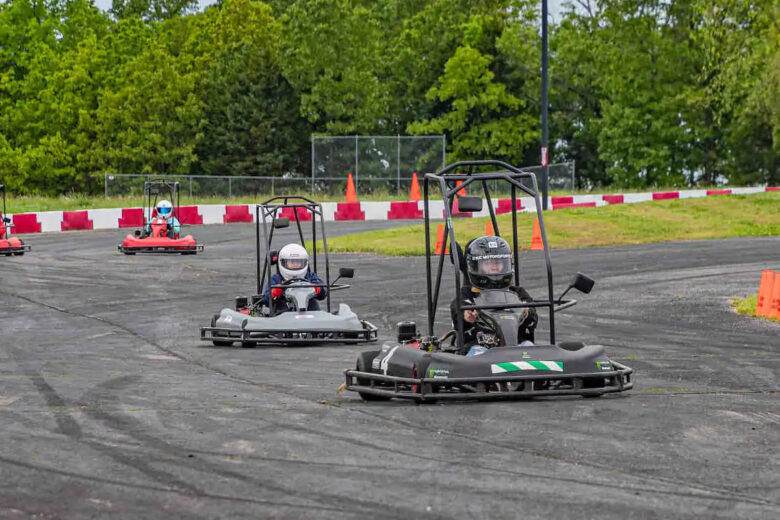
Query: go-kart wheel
column 364, row 365
column 219, row 342
column 20, row 253
column 593, row 382
column 248, row 344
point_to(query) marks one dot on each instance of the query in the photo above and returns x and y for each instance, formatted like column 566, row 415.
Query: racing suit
column 483, row 331
column 174, row 227
column 280, row 305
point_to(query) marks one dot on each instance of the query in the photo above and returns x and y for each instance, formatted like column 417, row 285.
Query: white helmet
column 293, row 262
column 164, row 209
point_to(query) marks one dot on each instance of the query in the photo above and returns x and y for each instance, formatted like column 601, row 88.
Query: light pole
column 545, row 129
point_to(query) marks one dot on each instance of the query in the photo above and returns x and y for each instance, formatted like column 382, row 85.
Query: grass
column 747, row 307
column 640, row 223
column 29, row 203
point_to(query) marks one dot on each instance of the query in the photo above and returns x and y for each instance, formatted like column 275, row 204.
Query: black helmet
column 489, row 263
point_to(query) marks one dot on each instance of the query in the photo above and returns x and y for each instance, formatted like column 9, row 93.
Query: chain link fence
column 562, row 178
column 378, row 164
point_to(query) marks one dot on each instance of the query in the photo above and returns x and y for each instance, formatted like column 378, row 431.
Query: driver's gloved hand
column 318, row 290
column 276, row 293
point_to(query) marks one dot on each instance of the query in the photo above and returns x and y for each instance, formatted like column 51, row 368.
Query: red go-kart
column 159, row 235
column 9, row 245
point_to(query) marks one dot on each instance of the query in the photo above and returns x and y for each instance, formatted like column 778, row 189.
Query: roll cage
column 454, row 178
column 154, row 191
column 267, row 217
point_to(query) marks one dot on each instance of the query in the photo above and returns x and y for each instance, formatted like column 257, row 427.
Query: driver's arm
column 268, row 293
column 321, row 292
column 528, row 325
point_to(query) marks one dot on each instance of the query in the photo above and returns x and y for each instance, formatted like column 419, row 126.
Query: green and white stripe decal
column 531, row 364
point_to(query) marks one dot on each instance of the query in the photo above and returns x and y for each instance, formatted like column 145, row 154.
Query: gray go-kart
column 430, row 368
column 251, row 323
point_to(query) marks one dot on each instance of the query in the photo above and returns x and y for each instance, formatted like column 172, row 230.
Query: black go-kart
column 251, row 323
column 429, row 368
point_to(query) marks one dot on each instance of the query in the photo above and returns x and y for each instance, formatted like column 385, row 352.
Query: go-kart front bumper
column 489, row 387
column 289, row 337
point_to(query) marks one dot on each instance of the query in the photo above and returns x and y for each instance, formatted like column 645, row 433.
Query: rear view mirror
column 281, row 222
column 470, row 204
column 583, row 283
column 346, row 272
column 274, row 256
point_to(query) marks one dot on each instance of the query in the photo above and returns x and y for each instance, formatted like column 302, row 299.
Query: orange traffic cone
column 414, row 190
column 765, row 293
column 489, row 231
column 351, row 192
column 440, row 240
column 461, row 192
column 774, row 304
column 536, row 237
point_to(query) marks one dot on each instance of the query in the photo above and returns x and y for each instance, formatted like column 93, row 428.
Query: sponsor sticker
column 438, row 373
column 303, row 316
column 604, row 365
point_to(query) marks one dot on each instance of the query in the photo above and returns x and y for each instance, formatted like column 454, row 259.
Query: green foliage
column 644, row 92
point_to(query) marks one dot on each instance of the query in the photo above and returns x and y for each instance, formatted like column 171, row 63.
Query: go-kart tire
column 20, row 253
column 248, row 344
column 364, row 365
column 221, row 343
column 592, row 382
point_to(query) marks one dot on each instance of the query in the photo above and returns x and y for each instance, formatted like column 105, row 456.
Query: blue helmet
column 164, row 208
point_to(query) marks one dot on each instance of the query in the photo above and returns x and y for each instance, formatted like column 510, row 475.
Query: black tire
column 248, row 344
column 221, row 343
column 592, row 382
column 20, row 253
column 363, row 364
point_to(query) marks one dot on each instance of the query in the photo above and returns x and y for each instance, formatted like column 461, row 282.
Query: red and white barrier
column 116, row 218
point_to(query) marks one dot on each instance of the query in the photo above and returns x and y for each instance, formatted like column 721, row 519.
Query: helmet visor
column 164, row 211
column 294, row 264
column 490, row 265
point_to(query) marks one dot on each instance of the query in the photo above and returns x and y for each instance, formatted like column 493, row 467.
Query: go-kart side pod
column 185, row 245
column 398, row 371
column 13, row 246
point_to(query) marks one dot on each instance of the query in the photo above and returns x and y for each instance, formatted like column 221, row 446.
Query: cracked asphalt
column 110, row 406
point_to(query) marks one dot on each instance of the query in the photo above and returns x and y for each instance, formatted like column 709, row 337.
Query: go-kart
column 429, row 368
column 250, row 323
column 159, row 235
column 9, row 245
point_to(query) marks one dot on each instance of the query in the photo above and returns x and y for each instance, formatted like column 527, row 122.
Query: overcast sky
column 554, row 5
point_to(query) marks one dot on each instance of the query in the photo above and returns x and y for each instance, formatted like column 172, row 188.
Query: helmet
column 293, row 262
column 164, row 208
column 489, row 262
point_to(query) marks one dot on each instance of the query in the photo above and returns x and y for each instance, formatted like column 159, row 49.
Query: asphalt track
column 110, row 406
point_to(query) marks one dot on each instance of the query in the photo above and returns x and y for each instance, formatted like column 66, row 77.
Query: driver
column 489, row 265
column 293, row 266
column 164, row 210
